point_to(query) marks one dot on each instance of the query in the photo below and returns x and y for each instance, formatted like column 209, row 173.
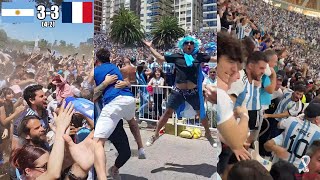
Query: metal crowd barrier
column 150, row 107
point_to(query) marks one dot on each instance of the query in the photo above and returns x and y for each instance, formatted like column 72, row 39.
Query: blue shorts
column 179, row 96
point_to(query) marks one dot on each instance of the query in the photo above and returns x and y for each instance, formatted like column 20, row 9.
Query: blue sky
column 71, row 33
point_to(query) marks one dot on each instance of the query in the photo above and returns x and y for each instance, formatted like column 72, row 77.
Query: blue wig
column 189, row 58
column 189, row 61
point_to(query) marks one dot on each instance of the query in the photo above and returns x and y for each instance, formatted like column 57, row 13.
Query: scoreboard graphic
column 47, row 15
column 54, row 14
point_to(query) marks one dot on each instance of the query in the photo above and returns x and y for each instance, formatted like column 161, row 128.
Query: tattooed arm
column 109, row 79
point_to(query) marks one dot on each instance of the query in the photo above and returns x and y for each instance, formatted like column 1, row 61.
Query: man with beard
column 246, row 90
column 32, row 132
column 290, row 105
column 37, row 102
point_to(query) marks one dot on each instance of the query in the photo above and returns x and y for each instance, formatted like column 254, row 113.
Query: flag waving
column 84, row 106
column 17, row 12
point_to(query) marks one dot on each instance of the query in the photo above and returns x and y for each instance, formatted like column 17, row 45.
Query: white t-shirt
column 277, row 94
column 210, row 81
column 224, row 106
column 224, row 110
column 158, row 82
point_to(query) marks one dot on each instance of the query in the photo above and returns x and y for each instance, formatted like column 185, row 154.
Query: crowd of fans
column 147, row 70
column 272, row 85
column 151, row 77
column 37, row 126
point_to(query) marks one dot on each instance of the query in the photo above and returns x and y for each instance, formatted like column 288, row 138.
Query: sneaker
column 143, row 124
column 141, row 154
column 114, row 174
column 212, row 141
column 151, row 140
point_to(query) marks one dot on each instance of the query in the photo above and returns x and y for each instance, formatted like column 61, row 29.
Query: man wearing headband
column 188, row 81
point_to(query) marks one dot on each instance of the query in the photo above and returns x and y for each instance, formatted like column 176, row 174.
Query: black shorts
column 179, row 96
column 254, row 119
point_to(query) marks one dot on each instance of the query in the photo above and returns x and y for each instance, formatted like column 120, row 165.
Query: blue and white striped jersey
column 248, row 95
column 153, row 66
column 298, row 135
column 286, row 104
column 29, row 112
column 168, row 68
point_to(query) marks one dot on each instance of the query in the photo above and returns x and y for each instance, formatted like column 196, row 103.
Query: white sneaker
column 211, row 140
column 151, row 140
column 141, row 154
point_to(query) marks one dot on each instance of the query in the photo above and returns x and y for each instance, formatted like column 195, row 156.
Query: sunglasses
column 212, row 72
column 188, row 42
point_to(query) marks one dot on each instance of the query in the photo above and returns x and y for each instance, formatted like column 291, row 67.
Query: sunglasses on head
column 188, row 42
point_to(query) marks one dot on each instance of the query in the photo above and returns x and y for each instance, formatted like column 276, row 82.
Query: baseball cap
column 313, row 110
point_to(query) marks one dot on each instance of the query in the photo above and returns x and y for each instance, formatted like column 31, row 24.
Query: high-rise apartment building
column 97, row 15
column 133, row 5
column 209, row 15
column 152, row 10
column 112, row 6
column 189, row 14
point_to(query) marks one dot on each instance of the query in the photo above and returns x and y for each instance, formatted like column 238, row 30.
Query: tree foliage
column 166, row 33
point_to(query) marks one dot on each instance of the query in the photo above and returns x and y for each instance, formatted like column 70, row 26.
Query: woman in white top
column 156, row 81
column 210, row 107
column 211, row 79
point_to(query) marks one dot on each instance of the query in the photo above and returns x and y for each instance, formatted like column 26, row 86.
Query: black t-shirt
column 183, row 72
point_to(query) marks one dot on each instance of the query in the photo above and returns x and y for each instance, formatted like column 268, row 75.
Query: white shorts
column 122, row 107
column 278, row 141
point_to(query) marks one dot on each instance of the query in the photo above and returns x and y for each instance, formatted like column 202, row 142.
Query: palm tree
column 166, row 33
column 126, row 28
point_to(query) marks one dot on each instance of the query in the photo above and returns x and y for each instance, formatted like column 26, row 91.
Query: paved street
column 170, row 158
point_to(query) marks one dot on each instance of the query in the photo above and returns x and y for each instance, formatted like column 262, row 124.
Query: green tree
column 3, row 37
column 57, row 2
column 46, row 3
column 62, row 43
column 43, row 44
column 126, row 28
column 166, row 33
